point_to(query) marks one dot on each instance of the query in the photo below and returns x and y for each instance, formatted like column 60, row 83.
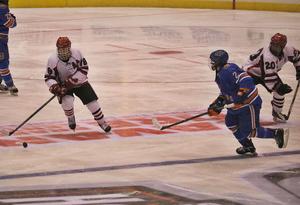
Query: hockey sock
column 6, row 76
column 265, row 133
column 277, row 102
column 68, row 105
column 69, row 113
column 96, row 111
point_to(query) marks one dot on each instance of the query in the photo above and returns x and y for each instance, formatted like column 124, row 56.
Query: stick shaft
column 33, row 114
column 293, row 100
column 182, row 121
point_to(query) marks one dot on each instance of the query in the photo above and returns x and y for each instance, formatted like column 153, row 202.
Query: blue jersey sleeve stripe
column 242, row 76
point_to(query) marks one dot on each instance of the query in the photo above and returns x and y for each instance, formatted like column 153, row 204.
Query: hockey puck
column 25, row 145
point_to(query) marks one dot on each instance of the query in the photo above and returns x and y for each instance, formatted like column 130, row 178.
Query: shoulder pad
column 76, row 54
column 52, row 60
column 226, row 66
column 255, row 55
column 289, row 50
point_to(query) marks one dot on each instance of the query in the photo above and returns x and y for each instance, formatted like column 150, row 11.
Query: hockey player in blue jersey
column 7, row 21
column 239, row 94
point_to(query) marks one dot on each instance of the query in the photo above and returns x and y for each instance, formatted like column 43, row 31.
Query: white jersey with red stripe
column 59, row 71
column 265, row 65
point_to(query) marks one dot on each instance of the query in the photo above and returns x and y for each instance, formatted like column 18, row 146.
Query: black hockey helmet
column 218, row 59
column 277, row 44
column 4, row 2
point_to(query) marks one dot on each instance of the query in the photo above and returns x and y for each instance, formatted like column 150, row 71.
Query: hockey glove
column 58, row 90
column 216, row 107
column 12, row 15
column 298, row 73
column 257, row 80
column 283, row 89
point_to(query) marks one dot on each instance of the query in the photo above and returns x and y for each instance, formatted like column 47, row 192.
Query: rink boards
column 271, row 5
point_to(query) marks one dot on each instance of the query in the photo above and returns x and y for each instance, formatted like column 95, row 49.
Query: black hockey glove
column 257, row 80
column 216, row 107
column 283, row 89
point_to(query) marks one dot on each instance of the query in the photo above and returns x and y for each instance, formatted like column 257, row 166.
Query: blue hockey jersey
column 7, row 20
column 237, row 87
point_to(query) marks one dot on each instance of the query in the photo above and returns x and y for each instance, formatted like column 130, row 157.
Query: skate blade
column 4, row 91
column 13, row 94
column 255, row 154
column 285, row 137
column 278, row 120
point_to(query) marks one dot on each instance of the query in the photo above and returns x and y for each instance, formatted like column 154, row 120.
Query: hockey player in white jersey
column 66, row 75
column 264, row 66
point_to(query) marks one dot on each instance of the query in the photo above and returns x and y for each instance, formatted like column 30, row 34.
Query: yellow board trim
column 203, row 4
column 37, row 3
column 221, row 4
column 264, row 6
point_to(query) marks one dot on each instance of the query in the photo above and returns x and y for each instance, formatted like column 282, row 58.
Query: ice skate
column 72, row 123
column 279, row 117
column 3, row 88
column 246, row 151
column 105, row 126
column 281, row 137
column 13, row 90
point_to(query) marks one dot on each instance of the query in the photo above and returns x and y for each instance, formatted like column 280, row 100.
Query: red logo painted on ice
column 122, row 127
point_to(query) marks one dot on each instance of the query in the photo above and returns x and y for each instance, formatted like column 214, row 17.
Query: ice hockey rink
column 144, row 63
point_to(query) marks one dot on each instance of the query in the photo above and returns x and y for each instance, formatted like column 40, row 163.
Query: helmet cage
column 63, row 45
column 212, row 65
column 64, row 54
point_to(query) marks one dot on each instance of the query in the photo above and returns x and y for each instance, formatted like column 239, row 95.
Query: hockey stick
column 33, row 114
column 293, row 100
column 160, row 127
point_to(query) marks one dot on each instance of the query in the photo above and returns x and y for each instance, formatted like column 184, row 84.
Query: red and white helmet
column 63, row 42
column 63, row 45
column 277, row 44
